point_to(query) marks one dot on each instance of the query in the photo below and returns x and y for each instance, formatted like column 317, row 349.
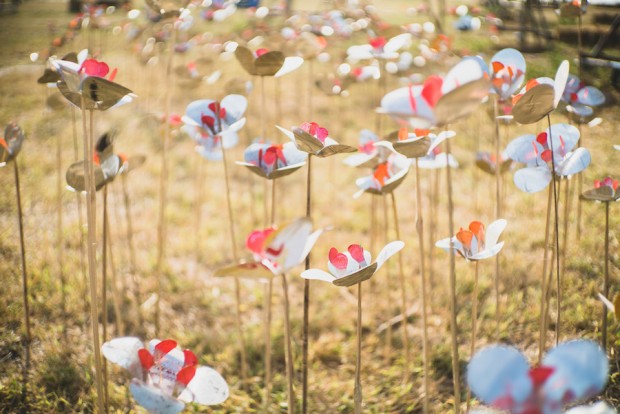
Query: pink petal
column 337, row 259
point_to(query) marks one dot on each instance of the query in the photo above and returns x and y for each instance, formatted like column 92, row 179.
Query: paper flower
column 315, row 140
column 487, row 162
column 412, row 145
column 476, row 243
column 440, row 101
column 273, row 161
column 380, row 48
column 581, row 99
column 540, row 96
column 11, row 144
column 507, row 72
column 275, row 251
column 107, row 166
column 370, row 154
column 501, row 377
column 164, row 377
column 535, row 152
column 212, row 124
column 267, row 63
column 604, row 190
column 385, row 177
column 353, row 266
column 86, row 80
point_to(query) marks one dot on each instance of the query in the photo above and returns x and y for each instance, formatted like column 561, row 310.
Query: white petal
column 317, row 274
column 388, row 251
column 574, row 162
column 532, row 179
column 286, row 132
column 559, row 83
column 124, row 352
column 291, row 64
column 153, row 399
column 493, row 231
column 207, row 387
column 397, row 42
column 235, row 105
column 499, row 371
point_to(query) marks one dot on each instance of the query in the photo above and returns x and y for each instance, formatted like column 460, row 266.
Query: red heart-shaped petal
column 377, row 42
column 261, row 52
column 431, row 91
column 546, row 155
column 338, row 260
column 207, row 120
column 190, row 358
column 165, row 346
column 185, row 375
column 256, row 240
column 357, row 252
column 146, row 359
column 542, row 138
column 92, row 67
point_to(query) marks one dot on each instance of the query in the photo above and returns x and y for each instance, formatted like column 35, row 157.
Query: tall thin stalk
column 544, row 287
column 474, row 325
column 456, row 377
column 104, row 291
column 357, row 393
column 606, row 282
column 289, row 349
column 403, row 293
column 304, row 360
column 132, row 251
column 498, row 213
column 419, row 225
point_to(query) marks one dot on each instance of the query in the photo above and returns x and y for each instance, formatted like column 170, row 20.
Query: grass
column 198, row 310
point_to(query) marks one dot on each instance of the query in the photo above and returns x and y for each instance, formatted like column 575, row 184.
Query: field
column 198, row 309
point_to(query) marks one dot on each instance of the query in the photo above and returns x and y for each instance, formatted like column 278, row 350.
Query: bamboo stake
column 104, row 292
column 456, row 377
column 163, row 181
column 474, row 320
column 606, row 282
column 268, row 312
column 22, row 246
column 543, row 295
column 557, row 235
column 498, row 213
column 304, row 361
column 198, row 185
column 116, row 295
column 132, row 251
column 78, row 197
column 419, row 224
column 357, row 393
column 91, row 251
column 388, row 284
column 567, row 212
column 59, row 233
column 579, row 184
column 244, row 367
column 289, row 350
column 403, row 294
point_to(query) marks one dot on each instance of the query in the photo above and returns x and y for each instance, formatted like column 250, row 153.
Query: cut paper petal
column 532, row 179
column 75, row 177
column 493, row 231
column 317, row 274
column 388, row 251
column 499, row 371
column 245, row 270
column 613, row 307
column 580, row 371
column 291, row 64
column 535, row 104
column 574, row 162
column 12, row 142
column 124, row 353
column 591, row 96
column 153, row 399
column 508, row 66
column 559, row 83
column 206, row 387
column 602, row 194
column 356, row 277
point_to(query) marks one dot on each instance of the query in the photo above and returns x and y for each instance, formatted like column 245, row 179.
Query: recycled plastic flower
column 273, row 161
column 212, row 124
column 536, row 152
column 87, row 80
column 107, row 166
column 440, row 101
column 353, row 266
column 501, row 377
column 487, row 162
column 164, row 377
column 581, row 99
column 476, row 243
column 507, row 72
column 310, row 137
column 540, row 96
column 275, row 250
column 267, row 63
column 604, row 190
column 11, row 144
column 411, row 145
column 380, row 48
column 386, row 176
column 370, row 154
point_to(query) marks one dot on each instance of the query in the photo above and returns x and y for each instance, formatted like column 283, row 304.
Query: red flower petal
column 207, row 120
column 431, row 90
column 185, row 375
column 539, row 375
column 357, row 252
column 190, row 358
column 256, row 240
column 377, row 42
column 477, row 228
column 338, row 260
column 93, row 67
column 465, row 237
column 146, row 359
column 542, row 138
column 165, row 346
column 261, row 52
column 546, row 155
